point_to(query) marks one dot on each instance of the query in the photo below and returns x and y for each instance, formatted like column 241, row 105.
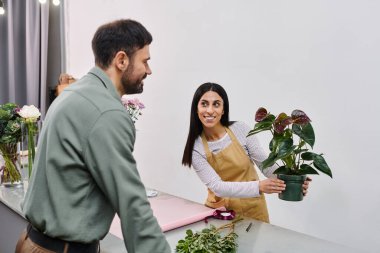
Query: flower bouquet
column 10, row 135
column 133, row 106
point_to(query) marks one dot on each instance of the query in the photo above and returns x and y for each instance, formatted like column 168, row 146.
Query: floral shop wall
column 318, row 56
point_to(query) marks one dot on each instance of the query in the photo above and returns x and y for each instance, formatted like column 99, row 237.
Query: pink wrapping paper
column 171, row 212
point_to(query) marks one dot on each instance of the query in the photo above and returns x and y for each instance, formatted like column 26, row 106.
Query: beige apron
column 232, row 164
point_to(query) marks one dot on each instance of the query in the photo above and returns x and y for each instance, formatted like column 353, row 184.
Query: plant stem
column 298, row 155
column 31, row 149
column 230, row 225
column 10, row 172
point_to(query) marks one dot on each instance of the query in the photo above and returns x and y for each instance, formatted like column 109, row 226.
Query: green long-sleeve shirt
column 85, row 172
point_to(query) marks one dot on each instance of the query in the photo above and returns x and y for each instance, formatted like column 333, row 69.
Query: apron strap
column 205, row 145
column 232, row 136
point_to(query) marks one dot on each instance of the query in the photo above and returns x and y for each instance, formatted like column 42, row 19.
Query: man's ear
column 121, row 60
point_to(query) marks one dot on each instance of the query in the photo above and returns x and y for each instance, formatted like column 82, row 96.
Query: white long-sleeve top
column 213, row 181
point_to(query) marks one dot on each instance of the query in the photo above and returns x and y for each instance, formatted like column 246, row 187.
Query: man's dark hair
column 122, row 35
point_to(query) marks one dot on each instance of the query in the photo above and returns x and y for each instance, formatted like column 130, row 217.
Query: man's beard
column 132, row 86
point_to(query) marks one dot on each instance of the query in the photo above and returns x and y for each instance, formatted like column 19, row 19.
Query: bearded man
column 84, row 170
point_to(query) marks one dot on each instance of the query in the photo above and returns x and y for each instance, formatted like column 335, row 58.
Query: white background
column 320, row 56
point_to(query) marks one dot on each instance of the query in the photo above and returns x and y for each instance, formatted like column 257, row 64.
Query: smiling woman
column 210, row 111
column 225, row 159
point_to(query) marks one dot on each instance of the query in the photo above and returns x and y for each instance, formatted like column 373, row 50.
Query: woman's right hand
column 271, row 185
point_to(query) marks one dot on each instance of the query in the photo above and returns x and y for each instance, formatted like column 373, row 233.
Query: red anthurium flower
column 300, row 118
column 281, row 122
column 293, row 137
column 261, row 114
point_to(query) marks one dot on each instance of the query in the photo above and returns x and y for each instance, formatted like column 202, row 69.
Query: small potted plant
column 293, row 137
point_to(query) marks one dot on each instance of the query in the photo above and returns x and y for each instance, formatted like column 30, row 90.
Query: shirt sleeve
column 222, row 188
column 113, row 167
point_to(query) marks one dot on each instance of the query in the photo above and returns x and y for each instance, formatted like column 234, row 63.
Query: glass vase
column 10, row 165
column 29, row 141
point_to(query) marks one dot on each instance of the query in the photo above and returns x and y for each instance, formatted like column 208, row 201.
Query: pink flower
column 133, row 106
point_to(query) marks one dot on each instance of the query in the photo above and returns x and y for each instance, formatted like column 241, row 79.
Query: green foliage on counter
column 209, row 240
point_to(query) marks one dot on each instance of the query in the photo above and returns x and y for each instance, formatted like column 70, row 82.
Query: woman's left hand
column 305, row 185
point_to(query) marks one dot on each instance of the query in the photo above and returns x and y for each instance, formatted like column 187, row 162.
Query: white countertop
column 261, row 238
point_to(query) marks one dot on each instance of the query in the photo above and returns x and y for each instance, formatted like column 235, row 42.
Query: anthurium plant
column 293, row 138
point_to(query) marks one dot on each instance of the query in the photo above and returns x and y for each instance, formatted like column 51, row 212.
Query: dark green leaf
column 307, row 169
column 272, row 158
column 282, row 170
column 308, row 156
column 285, row 147
column 271, row 145
column 264, row 125
column 305, row 132
column 261, row 128
column 4, row 115
column 276, row 140
column 281, row 147
column 321, row 165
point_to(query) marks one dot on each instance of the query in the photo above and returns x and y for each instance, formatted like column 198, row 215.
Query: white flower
column 30, row 113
